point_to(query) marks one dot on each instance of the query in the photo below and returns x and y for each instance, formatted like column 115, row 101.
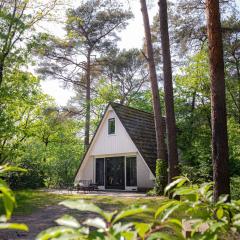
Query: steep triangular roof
column 141, row 129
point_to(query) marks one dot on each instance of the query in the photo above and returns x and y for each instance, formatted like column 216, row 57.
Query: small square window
column 111, row 126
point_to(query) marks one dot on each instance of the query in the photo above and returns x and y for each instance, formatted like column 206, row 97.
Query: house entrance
column 114, row 173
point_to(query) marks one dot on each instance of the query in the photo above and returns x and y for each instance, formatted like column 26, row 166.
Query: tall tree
column 168, row 93
column 91, row 30
column 17, row 17
column 218, row 101
column 159, row 124
column 125, row 73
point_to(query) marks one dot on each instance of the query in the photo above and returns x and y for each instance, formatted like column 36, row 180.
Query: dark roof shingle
column 141, row 129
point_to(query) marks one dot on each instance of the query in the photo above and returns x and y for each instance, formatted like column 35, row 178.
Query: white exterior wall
column 144, row 175
column 118, row 144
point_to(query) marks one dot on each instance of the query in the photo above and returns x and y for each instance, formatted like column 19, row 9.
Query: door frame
column 121, row 187
column 125, row 155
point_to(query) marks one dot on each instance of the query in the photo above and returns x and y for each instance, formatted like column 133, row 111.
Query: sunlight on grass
column 29, row 201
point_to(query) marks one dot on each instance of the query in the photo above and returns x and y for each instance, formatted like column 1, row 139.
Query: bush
column 33, row 178
column 207, row 220
column 235, row 189
column 152, row 193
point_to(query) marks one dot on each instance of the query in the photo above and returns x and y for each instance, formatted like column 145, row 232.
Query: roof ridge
column 142, row 111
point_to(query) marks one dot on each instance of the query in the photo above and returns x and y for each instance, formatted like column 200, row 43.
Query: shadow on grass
column 29, row 201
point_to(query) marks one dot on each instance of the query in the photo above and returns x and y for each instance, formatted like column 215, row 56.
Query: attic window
column 111, row 126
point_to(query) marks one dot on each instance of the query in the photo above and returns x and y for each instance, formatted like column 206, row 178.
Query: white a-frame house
column 122, row 153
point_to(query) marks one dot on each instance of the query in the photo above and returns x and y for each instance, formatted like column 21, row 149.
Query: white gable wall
column 118, row 144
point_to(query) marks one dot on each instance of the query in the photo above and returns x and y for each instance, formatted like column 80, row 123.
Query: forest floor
column 39, row 209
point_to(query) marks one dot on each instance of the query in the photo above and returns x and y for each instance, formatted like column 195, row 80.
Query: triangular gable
column 99, row 144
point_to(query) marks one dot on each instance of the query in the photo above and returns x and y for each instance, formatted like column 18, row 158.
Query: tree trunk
column 218, row 101
column 159, row 125
column 1, row 74
column 88, row 100
column 168, row 91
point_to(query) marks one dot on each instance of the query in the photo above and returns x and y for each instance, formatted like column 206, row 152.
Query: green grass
column 29, row 201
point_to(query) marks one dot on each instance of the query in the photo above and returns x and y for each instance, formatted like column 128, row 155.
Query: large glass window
column 100, row 171
column 111, row 126
column 131, row 171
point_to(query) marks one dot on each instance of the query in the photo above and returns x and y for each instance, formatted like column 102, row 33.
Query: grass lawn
column 29, row 201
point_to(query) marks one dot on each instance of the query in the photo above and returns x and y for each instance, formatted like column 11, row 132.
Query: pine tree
column 218, row 101
column 168, row 93
column 159, row 124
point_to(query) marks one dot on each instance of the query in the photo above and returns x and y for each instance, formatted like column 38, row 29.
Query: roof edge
column 139, row 110
column 90, row 144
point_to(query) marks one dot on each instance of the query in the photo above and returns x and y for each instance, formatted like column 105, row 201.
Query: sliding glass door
column 116, row 172
column 100, row 171
column 131, row 171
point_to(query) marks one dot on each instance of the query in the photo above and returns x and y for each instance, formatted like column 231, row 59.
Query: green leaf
column 185, row 191
column 220, row 213
column 54, row 232
column 142, row 228
column 68, row 221
column 7, row 168
column 130, row 212
column 169, row 211
column 96, row 222
column 179, row 181
column 175, row 222
column 82, row 205
column 119, row 227
column 128, row 235
column 8, row 198
column 204, row 189
column 15, row 226
column 222, row 199
column 164, row 207
column 109, row 215
column 161, row 236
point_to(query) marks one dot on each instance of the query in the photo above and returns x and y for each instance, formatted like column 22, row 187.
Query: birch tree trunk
column 159, row 124
column 218, row 101
column 168, row 93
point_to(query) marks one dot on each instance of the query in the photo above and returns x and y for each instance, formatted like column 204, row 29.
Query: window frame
column 111, row 120
column 126, row 173
column 103, row 170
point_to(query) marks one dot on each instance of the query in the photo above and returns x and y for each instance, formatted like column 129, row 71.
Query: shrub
column 235, row 189
column 195, row 207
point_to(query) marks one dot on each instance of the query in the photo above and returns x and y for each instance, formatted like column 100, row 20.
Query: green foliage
column 192, row 107
column 193, row 115
column 161, row 178
column 235, row 190
column 8, row 200
column 36, row 135
column 195, row 211
column 234, row 146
